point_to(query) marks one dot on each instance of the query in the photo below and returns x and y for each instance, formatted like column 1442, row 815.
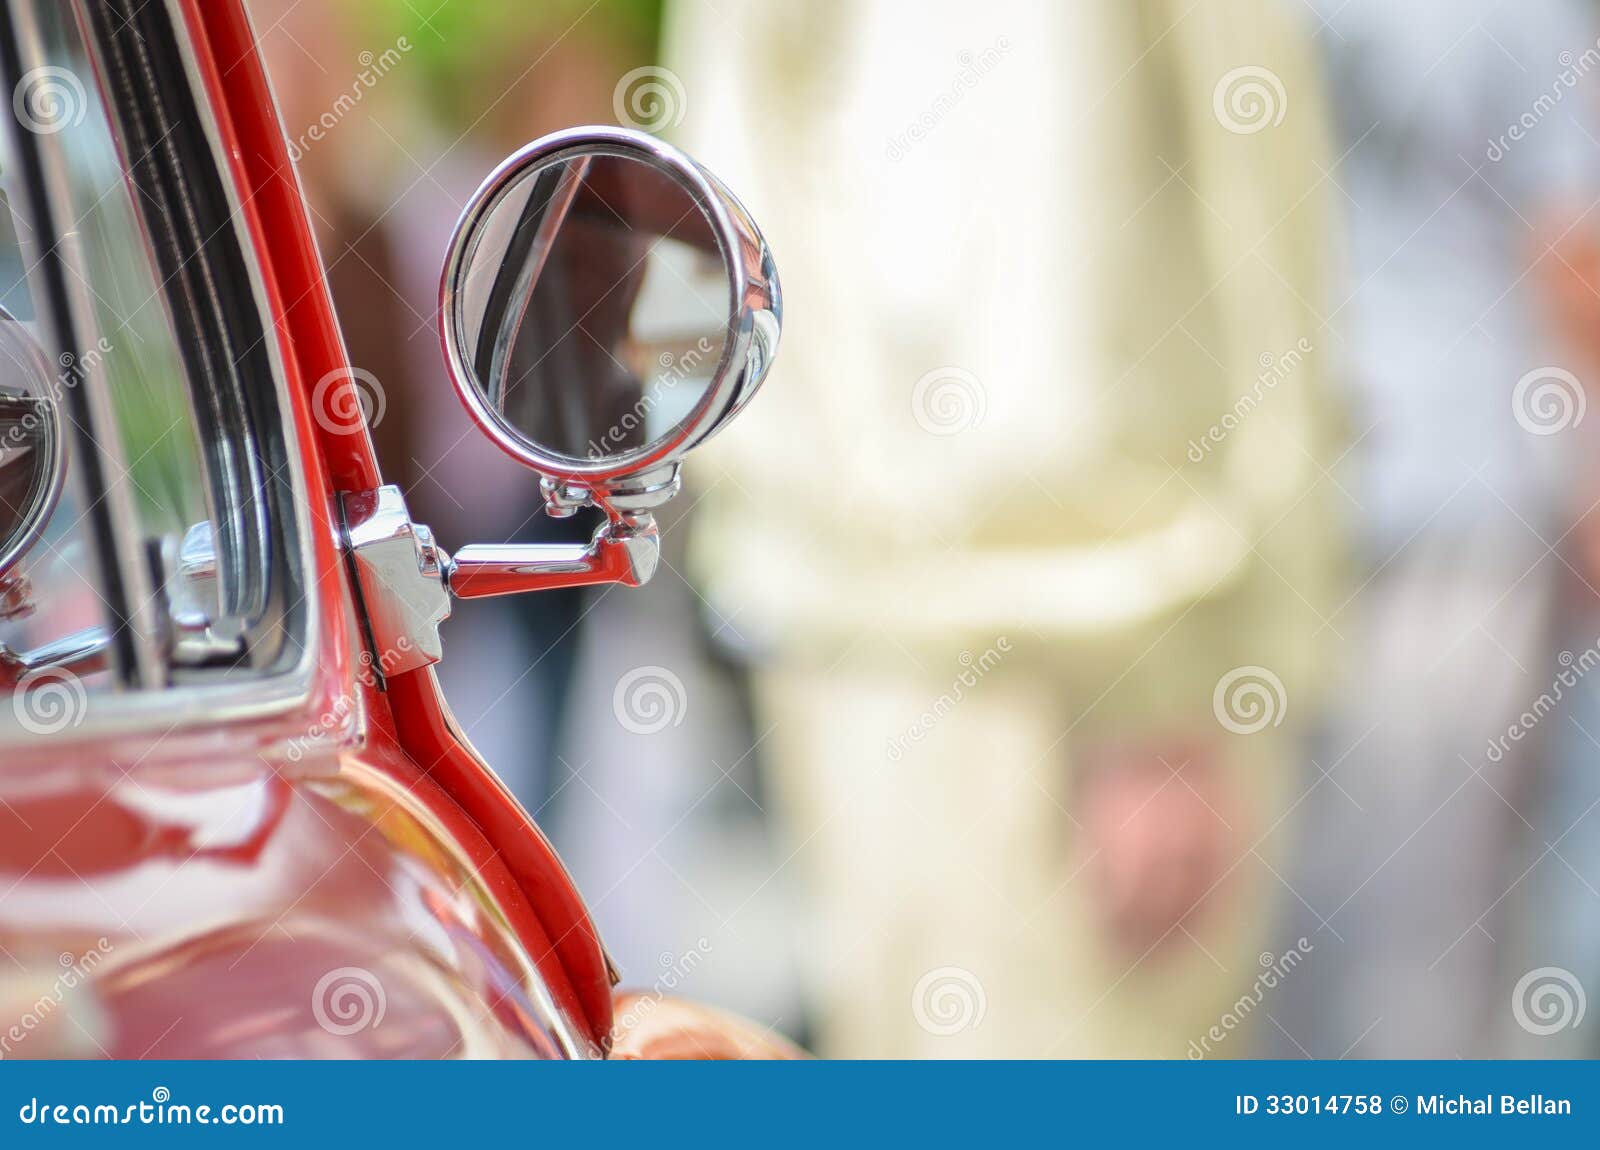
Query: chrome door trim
column 250, row 695
column 129, row 595
column 298, row 533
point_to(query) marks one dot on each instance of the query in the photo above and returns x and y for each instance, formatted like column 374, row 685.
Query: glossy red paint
column 248, row 916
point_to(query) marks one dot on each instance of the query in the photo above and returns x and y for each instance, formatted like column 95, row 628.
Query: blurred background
column 1149, row 610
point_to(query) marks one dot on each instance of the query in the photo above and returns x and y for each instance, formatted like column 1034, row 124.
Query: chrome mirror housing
column 606, row 306
column 33, row 468
column 33, row 460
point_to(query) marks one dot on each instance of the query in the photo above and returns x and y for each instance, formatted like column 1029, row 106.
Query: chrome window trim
column 149, row 136
column 249, row 694
column 302, row 558
column 128, row 594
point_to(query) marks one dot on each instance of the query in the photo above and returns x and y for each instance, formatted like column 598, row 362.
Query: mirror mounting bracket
column 405, row 582
column 625, row 549
column 399, row 577
column 620, row 497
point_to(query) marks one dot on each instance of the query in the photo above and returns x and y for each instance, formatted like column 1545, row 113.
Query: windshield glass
column 53, row 598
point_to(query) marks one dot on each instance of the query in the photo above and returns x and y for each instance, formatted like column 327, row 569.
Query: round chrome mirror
column 32, row 445
column 606, row 306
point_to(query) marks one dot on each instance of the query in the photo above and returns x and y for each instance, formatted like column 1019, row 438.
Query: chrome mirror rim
column 17, row 346
column 754, row 307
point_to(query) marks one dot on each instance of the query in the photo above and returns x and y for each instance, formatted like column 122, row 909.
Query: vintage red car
column 236, row 816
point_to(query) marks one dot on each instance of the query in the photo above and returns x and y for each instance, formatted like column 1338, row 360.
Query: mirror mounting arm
column 405, row 582
column 625, row 550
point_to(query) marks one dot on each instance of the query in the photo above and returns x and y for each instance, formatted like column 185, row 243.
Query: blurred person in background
column 1468, row 169
column 1028, row 538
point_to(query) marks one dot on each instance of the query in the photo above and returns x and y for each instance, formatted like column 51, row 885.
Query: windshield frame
column 150, row 691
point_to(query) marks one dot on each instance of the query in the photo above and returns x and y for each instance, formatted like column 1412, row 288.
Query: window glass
column 50, row 593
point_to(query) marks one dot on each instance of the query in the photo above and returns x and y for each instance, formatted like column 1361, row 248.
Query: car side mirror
column 606, row 306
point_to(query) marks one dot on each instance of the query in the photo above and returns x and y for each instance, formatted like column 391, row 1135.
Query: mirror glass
column 594, row 306
column 30, row 443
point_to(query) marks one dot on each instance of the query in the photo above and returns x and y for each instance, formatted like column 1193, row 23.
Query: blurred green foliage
column 458, row 43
